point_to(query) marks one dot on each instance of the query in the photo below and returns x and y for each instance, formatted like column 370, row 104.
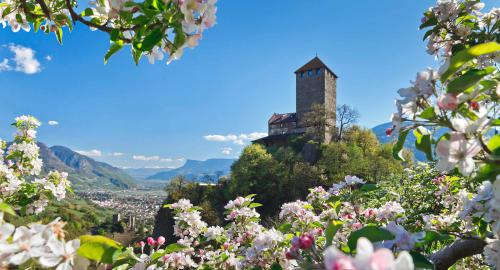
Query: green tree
column 257, row 172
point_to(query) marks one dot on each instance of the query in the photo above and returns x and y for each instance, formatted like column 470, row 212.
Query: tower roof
column 277, row 118
column 313, row 64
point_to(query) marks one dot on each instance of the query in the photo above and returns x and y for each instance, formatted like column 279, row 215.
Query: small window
column 309, row 73
column 318, row 71
column 302, row 74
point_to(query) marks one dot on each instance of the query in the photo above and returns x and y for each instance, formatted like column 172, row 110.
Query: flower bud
column 474, row 105
column 160, row 240
column 388, row 131
column 225, row 245
column 142, row 244
column 306, row 241
column 150, row 241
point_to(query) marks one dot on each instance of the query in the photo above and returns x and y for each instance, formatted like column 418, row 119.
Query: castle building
column 315, row 84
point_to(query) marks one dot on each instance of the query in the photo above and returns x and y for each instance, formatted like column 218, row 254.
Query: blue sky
column 240, row 74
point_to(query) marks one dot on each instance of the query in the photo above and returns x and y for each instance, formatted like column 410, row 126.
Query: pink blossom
column 160, row 240
column 151, row 241
column 448, row 102
column 357, row 226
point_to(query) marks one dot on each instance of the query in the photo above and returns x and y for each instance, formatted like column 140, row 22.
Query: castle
column 315, row 84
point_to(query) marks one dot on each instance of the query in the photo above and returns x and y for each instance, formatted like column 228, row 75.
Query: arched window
column 318, row 71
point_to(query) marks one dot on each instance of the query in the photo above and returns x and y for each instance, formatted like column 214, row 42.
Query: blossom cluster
column 245, row 244
column 20, row 161
column 42, row 244
column 452, row 113
column 153, row 28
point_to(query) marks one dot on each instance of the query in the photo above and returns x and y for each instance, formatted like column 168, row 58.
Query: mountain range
column 84, row 172
column 204, row 171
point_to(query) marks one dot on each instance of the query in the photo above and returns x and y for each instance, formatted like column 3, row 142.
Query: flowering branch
column 460, row 249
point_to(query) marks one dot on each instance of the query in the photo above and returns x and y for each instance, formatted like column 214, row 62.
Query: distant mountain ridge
column 196, row 169
column 84, row 172
column 143, row 173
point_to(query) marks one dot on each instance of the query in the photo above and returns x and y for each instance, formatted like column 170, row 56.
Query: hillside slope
column 84, row 172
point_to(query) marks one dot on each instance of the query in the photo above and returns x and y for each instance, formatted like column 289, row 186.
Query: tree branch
column 460, row 249
column 44, row 7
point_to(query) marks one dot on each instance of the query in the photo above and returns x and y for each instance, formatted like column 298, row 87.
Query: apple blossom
column 366, row 258
column 457, row 151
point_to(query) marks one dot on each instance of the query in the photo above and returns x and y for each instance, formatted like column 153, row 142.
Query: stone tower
column 316, row 84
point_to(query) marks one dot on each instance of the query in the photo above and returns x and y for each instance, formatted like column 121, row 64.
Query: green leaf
column 487, row 172
column 180, row 37
column 116, row 46
column 36, row 25
column 6, row 11
column 331, row 230
column 131, row 4
column 254, row 205
column 427, row 34
column 397, row 150
column 175, row 247
column 87, row 12
column 372, row 233
column 114, row 35
column 423, row 142
column 467, row 80
column 158, row 254
column 429, row 113
column 494, row 145
column 59, row 34
column 495, row 122
column 432, row 236
column 276, row 266
column 284, row 228
column 420, row 261
column 7, row 209
column 99, row 248
column 151, row 40
column 368, row 187
column 468, row 54
column 429, row 22
column 140, row 20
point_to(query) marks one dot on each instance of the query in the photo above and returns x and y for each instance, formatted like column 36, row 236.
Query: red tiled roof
column 314, row 64
column 282, row 118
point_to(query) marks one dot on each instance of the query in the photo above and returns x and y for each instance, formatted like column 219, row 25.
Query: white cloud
column 227, row 150
column 90, row 153
column 236, row 139
column 166, row 160
column 24, row 59
column 48, row 58
column 216, row 138
column 53, row 123
column 4, row 65
column 145, row 158
column 117, row 154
